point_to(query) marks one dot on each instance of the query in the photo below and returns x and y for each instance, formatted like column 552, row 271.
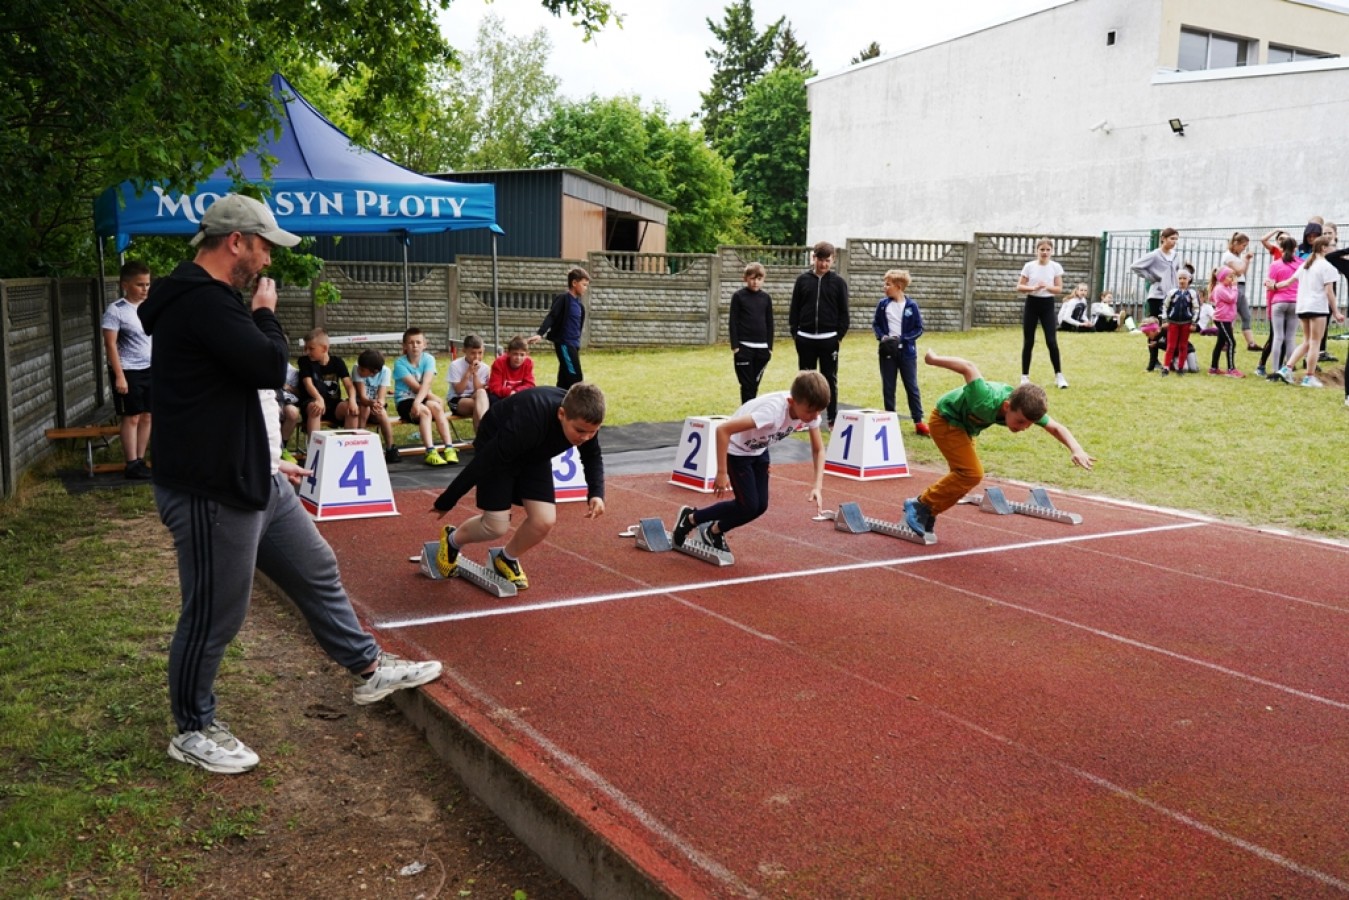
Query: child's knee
column 495, row 523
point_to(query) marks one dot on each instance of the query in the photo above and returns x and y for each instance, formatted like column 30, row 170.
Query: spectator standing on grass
column 1315, row 305
column 818, row 320
column 413, row 375
column 563, row 326
column 1041, row 281
column 1158, row 268
column 1282, row 305
column 128, row 349
column 1180, row 304
column 898, row 324
column 222, row 489
column 1237, row 257
column 1222, row 290
column 750, row 327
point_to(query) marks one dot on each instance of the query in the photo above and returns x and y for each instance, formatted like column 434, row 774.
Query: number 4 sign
column 865, row 445
column 349, row 480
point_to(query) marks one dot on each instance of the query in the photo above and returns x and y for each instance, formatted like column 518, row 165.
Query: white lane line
column 761, row 579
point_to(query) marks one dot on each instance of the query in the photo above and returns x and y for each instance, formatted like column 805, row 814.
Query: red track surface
column 1138, row 705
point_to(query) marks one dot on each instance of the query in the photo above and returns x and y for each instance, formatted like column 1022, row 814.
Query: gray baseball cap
column 235, row 212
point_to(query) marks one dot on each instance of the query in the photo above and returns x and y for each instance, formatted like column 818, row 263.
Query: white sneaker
column 1060, row 380
column 393, row 673
column 213, row 749
column 1025, row 379
column 1312, row 381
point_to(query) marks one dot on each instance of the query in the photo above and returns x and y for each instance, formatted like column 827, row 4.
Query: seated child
column 1206, row 326
column 1105, row 317
column 742, row 458
column 288, row 402
column 323, row 378
column 468, row 375
column 1073, row 310
column 413, row 374
column 960, row 416
column 512, row 371
column 372, row 398
column 513, row 464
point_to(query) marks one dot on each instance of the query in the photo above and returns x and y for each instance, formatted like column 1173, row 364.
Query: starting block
column 849, row 518
column 651, row 535
column 1038, row 505
column 480, row 576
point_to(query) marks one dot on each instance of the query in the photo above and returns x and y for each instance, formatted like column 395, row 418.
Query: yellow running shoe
column 450, row 455
column 510, row 571
column 433, row 458
column 447, row 558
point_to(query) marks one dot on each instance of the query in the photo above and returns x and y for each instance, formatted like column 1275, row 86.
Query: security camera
column 1103, row 125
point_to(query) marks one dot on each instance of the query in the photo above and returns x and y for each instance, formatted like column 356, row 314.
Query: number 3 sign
column 349, row 480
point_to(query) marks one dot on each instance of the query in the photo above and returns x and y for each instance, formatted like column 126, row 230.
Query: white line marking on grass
column 761, row 579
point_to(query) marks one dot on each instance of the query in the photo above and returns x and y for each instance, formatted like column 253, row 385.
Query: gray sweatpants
column 218, row 548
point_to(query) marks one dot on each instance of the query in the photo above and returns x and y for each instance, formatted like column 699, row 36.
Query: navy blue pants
column 749, row 480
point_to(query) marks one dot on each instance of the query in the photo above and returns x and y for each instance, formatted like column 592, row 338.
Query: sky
column 659, row 53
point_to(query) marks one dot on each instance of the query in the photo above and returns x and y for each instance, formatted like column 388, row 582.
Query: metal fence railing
column 1203, row 248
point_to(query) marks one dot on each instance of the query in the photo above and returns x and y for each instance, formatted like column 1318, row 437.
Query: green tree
column 744, row 55
column 872, row 51
column 615, row 139
column 95, row 93
column 791, row 53
column 769, row 149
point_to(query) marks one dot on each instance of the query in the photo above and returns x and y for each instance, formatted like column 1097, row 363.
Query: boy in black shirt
column 512, row 465
column 751, row 331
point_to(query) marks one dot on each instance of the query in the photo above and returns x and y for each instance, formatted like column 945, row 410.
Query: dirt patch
column 348, row 801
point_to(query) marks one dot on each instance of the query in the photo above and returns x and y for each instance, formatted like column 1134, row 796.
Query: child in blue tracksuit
column 898, row 324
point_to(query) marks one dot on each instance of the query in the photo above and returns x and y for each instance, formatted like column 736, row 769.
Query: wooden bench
column 457, row 443
column 100, row 435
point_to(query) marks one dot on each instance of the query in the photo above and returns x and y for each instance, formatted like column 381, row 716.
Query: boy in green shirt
column 960, row 416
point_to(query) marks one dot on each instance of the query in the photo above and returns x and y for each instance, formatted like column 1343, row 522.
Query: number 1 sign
column 866, row 445
column 349, row 480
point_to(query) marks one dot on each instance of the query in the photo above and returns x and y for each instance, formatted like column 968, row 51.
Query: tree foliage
column 94, row 93
column 615, row 139
column 871, row 51
column 790, row 53
column 744, row 55
column 769, row 149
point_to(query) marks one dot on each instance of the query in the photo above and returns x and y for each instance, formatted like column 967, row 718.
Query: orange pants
column 957, row 446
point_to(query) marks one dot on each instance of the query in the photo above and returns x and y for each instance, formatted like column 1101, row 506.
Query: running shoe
column 393, row 673
column 214, row 749
column 511, row 571
column 683, row 525
column 447, row 557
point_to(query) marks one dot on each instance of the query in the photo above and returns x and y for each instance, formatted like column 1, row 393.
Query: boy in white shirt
column 468, row 375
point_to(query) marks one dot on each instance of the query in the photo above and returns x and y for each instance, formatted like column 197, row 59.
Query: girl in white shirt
column 1041, row 281
column 1315, row 305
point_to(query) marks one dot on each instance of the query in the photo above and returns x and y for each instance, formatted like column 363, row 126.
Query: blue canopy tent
column 320, row 184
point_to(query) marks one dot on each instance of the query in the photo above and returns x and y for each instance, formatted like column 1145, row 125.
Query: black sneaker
column 683, row 525
column 714, row 539
column 137, row 470
column 392, row 455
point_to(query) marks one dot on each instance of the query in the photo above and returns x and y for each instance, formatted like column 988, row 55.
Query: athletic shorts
column 534, row 481
column 1313, row 315
column 454, row 404
column 136, row 400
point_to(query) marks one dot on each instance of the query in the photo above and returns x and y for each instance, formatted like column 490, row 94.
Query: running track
column 1143, row 704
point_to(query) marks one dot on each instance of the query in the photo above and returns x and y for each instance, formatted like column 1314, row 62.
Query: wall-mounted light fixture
column 1177, row 127
column 1103, row 126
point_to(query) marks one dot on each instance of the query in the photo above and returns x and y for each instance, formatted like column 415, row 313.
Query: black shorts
column 330, row 410
column 136, row 400
column 453, row 404
column 534, row 481
column 1313, row 315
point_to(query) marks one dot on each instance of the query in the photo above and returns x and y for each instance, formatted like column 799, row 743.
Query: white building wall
column 993, row 132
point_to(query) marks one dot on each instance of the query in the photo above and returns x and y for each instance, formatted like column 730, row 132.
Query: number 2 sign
column 695, row 464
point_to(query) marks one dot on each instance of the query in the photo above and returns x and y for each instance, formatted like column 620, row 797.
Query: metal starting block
column 651, row 535
column 1038, row 505
column 479, row 576
column 849, row 518
column 694, row 546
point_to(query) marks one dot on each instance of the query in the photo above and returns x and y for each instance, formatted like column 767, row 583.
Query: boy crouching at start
column 512, row 465
column 742, row 458
column 960, row 416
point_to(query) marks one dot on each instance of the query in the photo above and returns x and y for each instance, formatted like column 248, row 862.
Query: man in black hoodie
column 818, row 320
column 221, row 487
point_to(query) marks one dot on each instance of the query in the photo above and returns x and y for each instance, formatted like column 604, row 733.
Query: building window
column 1281, row 54
column 1206, row 50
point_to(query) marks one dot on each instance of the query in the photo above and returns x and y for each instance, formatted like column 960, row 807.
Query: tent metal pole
column 407, row 289
column 496, row 298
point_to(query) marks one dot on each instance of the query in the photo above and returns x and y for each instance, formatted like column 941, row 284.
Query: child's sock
column 507, row 557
